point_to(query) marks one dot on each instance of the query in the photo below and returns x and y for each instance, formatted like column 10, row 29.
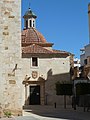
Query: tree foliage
column 82, row 88
column 63, row 88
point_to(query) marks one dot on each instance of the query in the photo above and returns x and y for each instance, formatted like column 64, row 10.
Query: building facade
column 29, row 67
column 85, row 56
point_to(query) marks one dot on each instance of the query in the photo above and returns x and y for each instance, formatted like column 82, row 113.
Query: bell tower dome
column 29, row 19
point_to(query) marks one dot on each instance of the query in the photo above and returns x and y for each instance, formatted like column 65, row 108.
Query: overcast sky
column 62, row 22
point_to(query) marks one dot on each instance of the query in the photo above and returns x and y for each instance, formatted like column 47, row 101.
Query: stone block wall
column 10, row 56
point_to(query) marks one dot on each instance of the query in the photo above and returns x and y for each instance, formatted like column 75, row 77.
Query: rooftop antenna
column 29, row 4
column 89, row 20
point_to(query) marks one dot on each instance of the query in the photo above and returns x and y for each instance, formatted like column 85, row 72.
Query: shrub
column 7, row 114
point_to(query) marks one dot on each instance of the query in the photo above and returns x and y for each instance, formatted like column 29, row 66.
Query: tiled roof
column 35, row 49
column 60, row 51
column 33, row 42
column 31, row 35
column 38, row 49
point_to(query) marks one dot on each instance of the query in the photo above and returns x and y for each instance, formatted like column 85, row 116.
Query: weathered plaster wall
column 52, row 70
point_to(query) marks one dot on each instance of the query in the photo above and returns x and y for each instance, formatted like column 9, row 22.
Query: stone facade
column 10, row 55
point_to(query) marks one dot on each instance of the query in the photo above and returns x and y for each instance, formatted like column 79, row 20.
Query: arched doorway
column 36, row 90
column 34, row 95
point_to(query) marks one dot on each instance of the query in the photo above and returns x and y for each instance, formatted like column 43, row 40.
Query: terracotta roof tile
column 39, row 49
column 34, row 42
column 60, row 51
column 35, row 49
column 32, row 36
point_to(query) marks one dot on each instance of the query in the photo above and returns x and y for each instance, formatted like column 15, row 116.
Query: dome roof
column 31, row 35
column 29, row 13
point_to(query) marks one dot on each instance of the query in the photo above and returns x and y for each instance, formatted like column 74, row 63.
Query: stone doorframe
column 40, row 82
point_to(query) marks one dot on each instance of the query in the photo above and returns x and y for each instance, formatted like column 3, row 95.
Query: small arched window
column 34, row 61
column 26, row 24
column 30, row 23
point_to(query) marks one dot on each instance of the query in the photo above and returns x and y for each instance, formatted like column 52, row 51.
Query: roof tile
column 39, row 49
column 32, row 35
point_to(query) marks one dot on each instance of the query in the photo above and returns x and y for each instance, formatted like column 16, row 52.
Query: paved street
column 59, row 113
column 21, row 118
column 51, row 113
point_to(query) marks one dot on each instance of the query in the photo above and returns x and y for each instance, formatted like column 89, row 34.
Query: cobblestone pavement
column 50, row 113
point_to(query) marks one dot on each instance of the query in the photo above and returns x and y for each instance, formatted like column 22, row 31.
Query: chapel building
column 29, row 66
column 43, row 65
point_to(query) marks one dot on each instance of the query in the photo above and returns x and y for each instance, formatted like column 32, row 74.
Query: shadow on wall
column 50, row 92
column 53, row 78
column 60, row 77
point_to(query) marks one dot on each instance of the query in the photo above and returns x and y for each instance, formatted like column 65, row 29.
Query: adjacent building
column 85, row 56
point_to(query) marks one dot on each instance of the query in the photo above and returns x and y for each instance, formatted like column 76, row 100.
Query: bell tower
column 10, row 56
column 29, row 19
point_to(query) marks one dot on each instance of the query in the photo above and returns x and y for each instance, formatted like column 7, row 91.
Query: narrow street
column 51, row 113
